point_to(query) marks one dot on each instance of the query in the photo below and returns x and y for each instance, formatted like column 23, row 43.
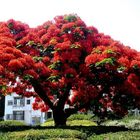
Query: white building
column 20, row 108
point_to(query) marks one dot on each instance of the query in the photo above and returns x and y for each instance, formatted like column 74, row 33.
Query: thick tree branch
column 73, row 110
column 70, row 111
column 41, row 93
column 63, row 98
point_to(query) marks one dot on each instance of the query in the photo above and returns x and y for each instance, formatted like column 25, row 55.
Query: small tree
column 66, row 62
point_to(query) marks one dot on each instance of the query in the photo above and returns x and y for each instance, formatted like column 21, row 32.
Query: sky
column 118, row 18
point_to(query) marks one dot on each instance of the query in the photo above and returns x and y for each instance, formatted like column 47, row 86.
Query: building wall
column 31, row 116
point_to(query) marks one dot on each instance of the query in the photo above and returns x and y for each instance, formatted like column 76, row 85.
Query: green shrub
column 12, row 126
column 80, row 127
column 129, row 118
column 11, row 123
column 47, row 134
column 75, row 120
column 48, row 123
column 81, row 123
column 129, row 135
column 50, row 119
column 130, row 122
column 80, row 117
column 72, row 123
column 3, row 136
column 133, row 124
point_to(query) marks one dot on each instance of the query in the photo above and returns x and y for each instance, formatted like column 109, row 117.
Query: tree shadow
column 95, row 129
column 87, row 129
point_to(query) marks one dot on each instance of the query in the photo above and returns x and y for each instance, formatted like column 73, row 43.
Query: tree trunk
column 59, row 117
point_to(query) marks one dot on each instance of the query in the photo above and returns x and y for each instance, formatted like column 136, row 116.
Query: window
column 28, row 102
column 18, row 115
column 10, row 102
column 9, row 116
column 19, row 101
column 49, row 115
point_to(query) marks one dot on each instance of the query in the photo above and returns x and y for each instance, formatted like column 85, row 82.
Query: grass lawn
column 78, row 128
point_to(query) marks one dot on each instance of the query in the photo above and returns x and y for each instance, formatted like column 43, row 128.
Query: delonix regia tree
column 66, row 62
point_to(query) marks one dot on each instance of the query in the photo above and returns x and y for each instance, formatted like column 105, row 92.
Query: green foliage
column 75, row 120
column 3, row 136
column 36, row 58
column 121, row 69
column 3, row 87
column 54, row 78
column 129, row 135
column 97, row 51
column 109, row 51
column 80, row 127
column 30, row 43
column 11, row 123
column 74, row 46
column 46, row 134
column 73, row 123
column 48, row 123
column 135, row 67
column 10, row 25
column 68, row 134
column 131, row 122
column 27, row 77
column 81, row 123
column 80, row 117
column 18, row 46
column 130, row 118
column 105, row 61
column 70, row 18
column 56, row 65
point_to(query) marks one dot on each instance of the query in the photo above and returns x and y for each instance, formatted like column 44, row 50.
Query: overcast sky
column 118, row 18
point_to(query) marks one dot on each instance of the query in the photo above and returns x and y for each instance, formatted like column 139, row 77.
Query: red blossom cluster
column 38, row 104
column 71, row 63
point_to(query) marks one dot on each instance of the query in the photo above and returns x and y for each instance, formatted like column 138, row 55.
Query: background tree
column 66, row 62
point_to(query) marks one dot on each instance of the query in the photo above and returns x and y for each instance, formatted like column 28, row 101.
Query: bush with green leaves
column 81, row 117
column 129, row 135
column 75, row 120
column 47, row 134
column 11, row 123
column 130, row 122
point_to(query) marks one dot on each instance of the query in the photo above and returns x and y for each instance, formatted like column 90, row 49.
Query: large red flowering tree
column 66, row 62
